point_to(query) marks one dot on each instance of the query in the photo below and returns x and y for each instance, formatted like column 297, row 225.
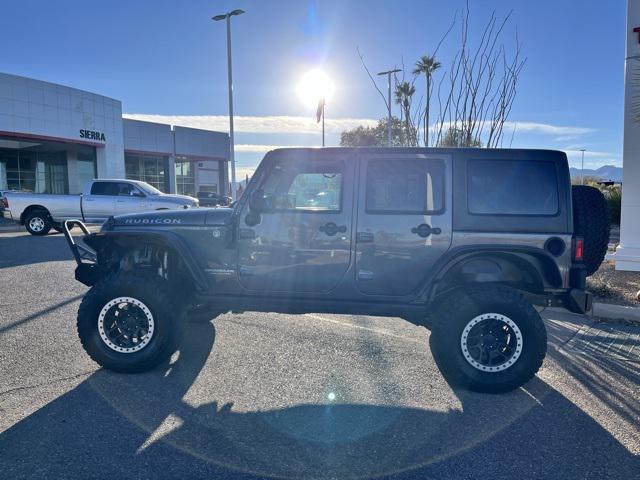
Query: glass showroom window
column 30, row 171
column 185, row 177
column 86, row 168
column 147, row 168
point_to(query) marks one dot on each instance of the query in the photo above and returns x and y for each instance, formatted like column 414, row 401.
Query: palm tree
column 403, row 94
column 427, row 65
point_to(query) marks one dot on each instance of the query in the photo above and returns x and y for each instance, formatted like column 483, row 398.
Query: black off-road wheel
column 487, row 339
column 130, row 323
column 38, row 222
column 591, row 221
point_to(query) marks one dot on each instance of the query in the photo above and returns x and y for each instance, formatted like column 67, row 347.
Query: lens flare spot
column 331, row 396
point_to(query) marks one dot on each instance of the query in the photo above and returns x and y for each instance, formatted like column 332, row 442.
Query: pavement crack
column 43, row 384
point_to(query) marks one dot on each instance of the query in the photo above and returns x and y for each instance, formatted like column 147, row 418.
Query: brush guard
column 87, row 260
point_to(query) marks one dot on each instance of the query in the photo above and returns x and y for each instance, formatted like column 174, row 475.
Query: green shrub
column 614, row 199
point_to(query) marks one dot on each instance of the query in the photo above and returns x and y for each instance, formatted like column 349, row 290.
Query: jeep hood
column 174, row 218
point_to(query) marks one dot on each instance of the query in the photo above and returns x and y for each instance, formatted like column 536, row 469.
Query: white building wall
column 627, row 256
column 41, row 109
column 148, row 137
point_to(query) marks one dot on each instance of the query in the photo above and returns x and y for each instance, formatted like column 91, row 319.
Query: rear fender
column 526, row 268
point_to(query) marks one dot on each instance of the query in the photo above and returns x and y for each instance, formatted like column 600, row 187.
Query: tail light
column 578, row 249
column 5, row 202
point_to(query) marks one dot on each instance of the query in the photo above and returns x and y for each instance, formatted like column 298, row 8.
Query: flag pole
column 323, row 107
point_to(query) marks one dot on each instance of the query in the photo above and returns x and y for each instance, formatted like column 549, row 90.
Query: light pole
column 232, row 157
column 389, row 73
column 582, row 168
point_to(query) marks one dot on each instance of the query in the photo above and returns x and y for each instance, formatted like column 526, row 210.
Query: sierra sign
column 92, row 135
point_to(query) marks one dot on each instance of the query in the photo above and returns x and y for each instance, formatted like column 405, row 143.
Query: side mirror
column 257, row 201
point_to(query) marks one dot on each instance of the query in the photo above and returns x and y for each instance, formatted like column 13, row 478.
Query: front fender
column 105, row 243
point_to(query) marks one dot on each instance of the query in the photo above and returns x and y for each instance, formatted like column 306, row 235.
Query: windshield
column 149, row 189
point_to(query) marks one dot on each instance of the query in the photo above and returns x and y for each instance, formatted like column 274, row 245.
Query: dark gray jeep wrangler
column 462, row 241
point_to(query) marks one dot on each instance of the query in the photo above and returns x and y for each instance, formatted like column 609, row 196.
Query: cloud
column 256, row 124
column 251, row 148
column 547, row 129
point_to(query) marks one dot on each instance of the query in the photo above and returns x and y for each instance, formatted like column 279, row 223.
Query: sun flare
column 313, row 86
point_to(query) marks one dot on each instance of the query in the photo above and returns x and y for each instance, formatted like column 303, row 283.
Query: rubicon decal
column 152, row 221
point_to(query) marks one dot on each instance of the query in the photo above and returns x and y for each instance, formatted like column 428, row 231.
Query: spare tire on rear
column 591, row 222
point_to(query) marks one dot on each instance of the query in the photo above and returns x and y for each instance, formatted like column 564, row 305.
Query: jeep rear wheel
column 488, row 339
column 128, row 323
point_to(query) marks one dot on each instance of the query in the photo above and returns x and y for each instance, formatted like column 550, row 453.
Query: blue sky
column 168, row 59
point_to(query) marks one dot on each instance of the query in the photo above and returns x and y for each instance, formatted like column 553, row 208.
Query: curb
column 616, row 312
column 606, row 311
column 10, row 228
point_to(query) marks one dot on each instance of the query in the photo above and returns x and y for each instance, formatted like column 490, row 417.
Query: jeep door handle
column 331, row 228
column 423, row 230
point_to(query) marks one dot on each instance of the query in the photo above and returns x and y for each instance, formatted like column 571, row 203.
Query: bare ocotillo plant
column 475, row 94
column 480, row 87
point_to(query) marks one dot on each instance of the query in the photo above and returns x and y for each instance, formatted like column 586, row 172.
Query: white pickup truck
column 40, row 212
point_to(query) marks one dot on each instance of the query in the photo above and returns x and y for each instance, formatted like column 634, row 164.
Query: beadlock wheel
column 125, row 325
column 491, row 342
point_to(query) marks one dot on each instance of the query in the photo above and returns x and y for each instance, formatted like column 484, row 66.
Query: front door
column 130, row 199
column 301, row 240
column 404, row 221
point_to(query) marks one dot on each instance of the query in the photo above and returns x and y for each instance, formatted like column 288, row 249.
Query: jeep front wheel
column 128, row 323
column 488, row 339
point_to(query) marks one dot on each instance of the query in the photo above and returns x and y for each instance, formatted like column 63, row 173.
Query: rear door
column 100, row 204
column 404, row 221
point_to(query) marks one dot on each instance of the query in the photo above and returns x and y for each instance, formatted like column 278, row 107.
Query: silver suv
column 462, row 241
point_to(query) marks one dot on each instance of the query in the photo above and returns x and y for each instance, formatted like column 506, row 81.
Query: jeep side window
column 405, row 186
column 508, row 187
column 304, row 186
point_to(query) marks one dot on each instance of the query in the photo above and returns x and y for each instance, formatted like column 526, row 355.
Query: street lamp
column 232, row 157
column 582, row 168
column 389, row 73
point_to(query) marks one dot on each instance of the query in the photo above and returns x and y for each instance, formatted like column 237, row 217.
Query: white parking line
column 360, row 327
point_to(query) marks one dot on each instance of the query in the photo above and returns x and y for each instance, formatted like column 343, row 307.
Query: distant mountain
column 606, row 172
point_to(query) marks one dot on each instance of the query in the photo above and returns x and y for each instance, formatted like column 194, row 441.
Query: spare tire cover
column 591, row 221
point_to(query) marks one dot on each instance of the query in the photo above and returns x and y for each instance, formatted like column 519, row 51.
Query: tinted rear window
column 405, row 186
column 506, row 187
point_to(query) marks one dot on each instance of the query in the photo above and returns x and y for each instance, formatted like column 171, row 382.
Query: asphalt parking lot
column 307, row 396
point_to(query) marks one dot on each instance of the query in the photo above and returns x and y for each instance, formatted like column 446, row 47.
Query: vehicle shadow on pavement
column 147, row 426
column 17, row 250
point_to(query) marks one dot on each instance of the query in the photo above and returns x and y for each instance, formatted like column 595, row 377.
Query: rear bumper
column 6, row 214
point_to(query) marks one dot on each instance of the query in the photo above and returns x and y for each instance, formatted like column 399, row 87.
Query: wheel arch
column 118, row 251
column 32, row 208
column 523, row 268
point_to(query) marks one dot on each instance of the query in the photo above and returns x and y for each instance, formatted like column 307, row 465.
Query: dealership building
column 53, row 139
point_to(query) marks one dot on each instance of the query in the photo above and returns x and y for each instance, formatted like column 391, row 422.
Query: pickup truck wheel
column 38, row 222
column 129, row 323
column 488, row 339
